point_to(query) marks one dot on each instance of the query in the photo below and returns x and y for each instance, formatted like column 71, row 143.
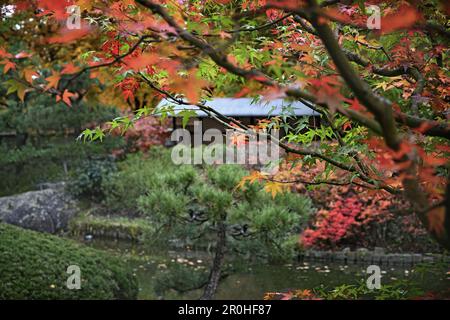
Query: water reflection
column 168, row 274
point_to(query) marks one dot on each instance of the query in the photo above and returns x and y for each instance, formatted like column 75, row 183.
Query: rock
column 390, row 258
column 351, row 257
column 397, row 259
column 339, row 256
column 48, row 210
column 320, row 255
column 407, row 259
column 362, row 251
column 368, row 258
column 379, row 250
column 315, row 254
column 376, row 258
column 417, row 257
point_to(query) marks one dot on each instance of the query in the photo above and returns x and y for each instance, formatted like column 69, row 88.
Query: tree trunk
column 214, row 276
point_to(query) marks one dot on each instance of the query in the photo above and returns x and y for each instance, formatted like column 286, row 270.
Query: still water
column 166, row 274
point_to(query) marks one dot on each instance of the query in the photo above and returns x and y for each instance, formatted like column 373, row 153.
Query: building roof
column 243, row 107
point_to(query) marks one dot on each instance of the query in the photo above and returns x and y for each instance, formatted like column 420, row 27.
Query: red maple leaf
column 327, row 90
column 405, row 17
column 66, row 35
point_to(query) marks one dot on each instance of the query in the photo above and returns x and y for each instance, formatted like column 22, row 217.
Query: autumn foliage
column 382, row 93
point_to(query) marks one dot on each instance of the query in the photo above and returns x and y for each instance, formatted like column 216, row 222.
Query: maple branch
column 420, row 81
column 427, row 25
column 376, row 48
column 379, row 107
column 381, row 71
column 437, row 28
column 339, row 136
column 431, row 127
column 214, row 54
column 351, row 114
column 261, row 27
column 257, row 75
column 316, row 183
column 304, row 25
column 300, row 151
column 427, row 127
column 383, row 113
column 112, row 62
column 252, row 74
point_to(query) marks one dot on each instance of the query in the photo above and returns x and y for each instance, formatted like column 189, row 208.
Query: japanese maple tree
column 382, row 93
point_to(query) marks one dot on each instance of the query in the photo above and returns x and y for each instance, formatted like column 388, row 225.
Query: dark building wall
column 211, row 123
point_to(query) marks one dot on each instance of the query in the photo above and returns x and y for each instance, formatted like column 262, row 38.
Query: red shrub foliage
column 345, row 219
column 144, row 134
column 353, row 216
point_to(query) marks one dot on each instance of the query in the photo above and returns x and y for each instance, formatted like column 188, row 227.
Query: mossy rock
column 33, row 266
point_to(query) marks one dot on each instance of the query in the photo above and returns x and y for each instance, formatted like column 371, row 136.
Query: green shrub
column 33, row 266
column 42, row 146
column 136, row 175
column 181, row 196
column 89, row 178
column 59, row 158
column 226, row 177
column 163, row 205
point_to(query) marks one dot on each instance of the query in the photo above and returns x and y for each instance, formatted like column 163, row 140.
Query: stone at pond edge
column 47, row 210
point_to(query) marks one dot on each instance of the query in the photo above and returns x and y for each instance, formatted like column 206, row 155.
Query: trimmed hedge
column 33, row 266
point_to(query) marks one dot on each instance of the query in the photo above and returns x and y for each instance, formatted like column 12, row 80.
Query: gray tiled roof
column 243, row 107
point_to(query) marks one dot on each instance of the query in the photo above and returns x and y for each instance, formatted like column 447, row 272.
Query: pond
column 250, row 278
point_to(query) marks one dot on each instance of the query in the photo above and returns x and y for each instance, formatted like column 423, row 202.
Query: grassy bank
column 33, row 266
column 120, row 228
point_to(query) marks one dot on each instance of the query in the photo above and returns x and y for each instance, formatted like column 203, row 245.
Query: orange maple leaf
column 66, row 97
column 69, row 69
column 137, row 63
column 190, row 86
column 252, row 178
column 4, row 53
column 274, row 187
column 30, row 75
column 53, row 81
column 8, row 65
